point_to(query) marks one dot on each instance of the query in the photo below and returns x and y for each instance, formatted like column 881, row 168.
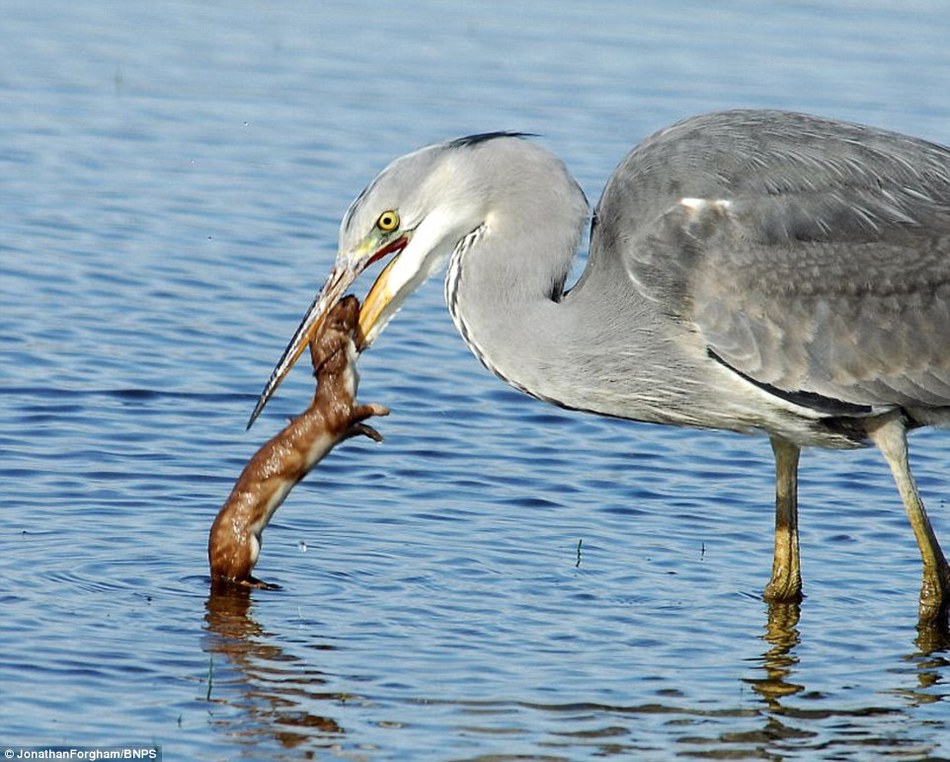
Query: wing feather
column 812, row 256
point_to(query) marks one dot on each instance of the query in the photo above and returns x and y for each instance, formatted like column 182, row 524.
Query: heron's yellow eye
column 388, row 221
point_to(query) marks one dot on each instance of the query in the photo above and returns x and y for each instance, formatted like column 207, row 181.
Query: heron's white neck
column 505, row 285
column 505, row 291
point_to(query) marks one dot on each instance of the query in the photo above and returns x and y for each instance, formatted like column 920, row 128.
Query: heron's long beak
column 332, row 291
column 374, row 313
column 348, row 266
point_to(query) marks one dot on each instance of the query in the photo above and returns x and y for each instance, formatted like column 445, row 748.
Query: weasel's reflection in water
column 259, row 692
column 255, row 688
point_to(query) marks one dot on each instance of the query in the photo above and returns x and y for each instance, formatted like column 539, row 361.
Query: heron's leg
column 890, row 436
column 786, row 583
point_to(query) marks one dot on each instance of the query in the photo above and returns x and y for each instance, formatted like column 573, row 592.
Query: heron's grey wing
column 832, row 282
column 865, row 323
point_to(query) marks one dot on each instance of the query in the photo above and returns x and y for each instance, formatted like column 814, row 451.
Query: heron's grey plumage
column 819, row 260
column 748, row 270
column 812, row 258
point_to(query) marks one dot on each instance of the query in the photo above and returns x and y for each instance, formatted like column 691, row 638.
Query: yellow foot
column 935, row 596
column 784, row 588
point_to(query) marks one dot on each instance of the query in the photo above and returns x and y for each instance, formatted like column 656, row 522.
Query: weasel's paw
column 367, row 431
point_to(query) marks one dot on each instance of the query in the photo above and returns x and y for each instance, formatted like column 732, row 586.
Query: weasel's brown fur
column 333, row 415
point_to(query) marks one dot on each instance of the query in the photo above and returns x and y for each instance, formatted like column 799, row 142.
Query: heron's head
column 411, row 216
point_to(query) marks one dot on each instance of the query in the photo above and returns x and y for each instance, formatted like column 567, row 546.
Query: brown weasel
column 334, row 415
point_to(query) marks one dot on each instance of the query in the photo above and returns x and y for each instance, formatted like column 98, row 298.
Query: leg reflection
column 779, row 661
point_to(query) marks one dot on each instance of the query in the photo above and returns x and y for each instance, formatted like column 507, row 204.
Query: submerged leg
column 891, row 438
column 786, row 583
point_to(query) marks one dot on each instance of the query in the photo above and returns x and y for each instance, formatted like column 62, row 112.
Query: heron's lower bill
column 374, row 314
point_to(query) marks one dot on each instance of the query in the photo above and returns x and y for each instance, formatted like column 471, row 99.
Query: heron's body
column 748, row 270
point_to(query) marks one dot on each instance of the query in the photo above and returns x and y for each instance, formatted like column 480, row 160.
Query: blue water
column 499, row 579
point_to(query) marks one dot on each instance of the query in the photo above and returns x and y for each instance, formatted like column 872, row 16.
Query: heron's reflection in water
column 791, row 723
column 778, row 664
column 779, row 661
column 265, row 690
column 930, row 662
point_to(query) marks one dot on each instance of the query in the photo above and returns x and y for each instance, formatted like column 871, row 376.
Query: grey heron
column 749, row 270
